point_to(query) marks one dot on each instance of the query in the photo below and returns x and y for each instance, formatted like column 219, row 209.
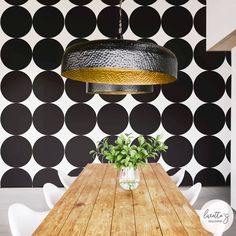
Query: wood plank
column 184, row 210
column 77, row 221
column 145, row 217
column 96, row 205
column 53, row 223
column 167, row 217
column 101, row 218
column 123, row 215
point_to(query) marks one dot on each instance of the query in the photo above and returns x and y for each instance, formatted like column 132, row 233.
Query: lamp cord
column 120, row 36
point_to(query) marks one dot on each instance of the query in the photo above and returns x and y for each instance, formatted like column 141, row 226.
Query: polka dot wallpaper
column 50, row 123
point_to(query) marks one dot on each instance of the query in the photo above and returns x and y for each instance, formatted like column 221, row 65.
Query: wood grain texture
column 145, row 217
column 53, row 223
column 184, row 210
column 101, row 218
column 168, row 219
column 123, row 216
column 77, row 221
column 96, row 205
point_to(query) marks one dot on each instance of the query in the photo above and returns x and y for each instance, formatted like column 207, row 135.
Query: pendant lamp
column 117, row 89
column 118, row 66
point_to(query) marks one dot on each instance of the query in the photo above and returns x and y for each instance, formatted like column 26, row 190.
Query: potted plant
column 127, row 156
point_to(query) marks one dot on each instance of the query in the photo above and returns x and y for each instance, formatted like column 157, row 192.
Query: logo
column 216, row 216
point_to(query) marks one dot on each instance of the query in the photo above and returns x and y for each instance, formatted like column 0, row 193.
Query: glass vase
column 129, row 178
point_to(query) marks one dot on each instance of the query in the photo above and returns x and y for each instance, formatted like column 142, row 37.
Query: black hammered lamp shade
column 119, row 62
column 116, row 89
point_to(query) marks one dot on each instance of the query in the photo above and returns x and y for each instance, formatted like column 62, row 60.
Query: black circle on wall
column 207, row 60
column 209, row 86
column 16, row 86
column 16, row 119
column 16, row 151
column 112, row 119
column 183, row 51
column 179, row 2
column 143, row 2
column 228, row 119
column 80, row 2
column 80, row 119
column 180, row 90
column 205, row 119
column 48, row 119
column 187, row 181
column 147, row 40
column 150, row 159
column 179, row 151
column 16, row 177
column 48, row 2
column 202, row 1
column 112, row 98
column 16, row 54
column 48, row 86
column 228, row 86
column 200, row 21
column 177, row 21
column 75, row 41
column 85, row 21
column 149, row 97
column 111, row 141
column 16, row 2
column 47, row 54
column 46, row 175
column 145, row 119
column 109, row 26
column 177, row 119
column 210, row 177
column 228, row 180
column 209, row 151
column 145, row 28
column 228, row 151
column 48, row 151
column 77, row 151
column 16, row 22
column 48, row 22
column 76, row 91
column 228, row 57
column 76, row 171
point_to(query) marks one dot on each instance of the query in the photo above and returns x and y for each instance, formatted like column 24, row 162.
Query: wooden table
column 96, row 205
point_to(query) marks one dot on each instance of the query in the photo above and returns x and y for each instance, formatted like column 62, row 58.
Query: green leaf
column 122, row 153
column 159, row 137
column 141, row 140
column 144, row 152
column 133, row 153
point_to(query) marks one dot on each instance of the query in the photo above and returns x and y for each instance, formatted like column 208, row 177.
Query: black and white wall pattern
column 49, row 123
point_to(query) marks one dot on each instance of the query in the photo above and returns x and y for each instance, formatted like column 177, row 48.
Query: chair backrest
column 52, row 194
column 192, row 193
column 178, row 177
column 23, row 221
column 65, row 179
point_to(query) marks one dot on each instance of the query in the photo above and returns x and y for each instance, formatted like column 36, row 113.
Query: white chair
column 23, row 221
column 52, row 194
column 178, row 177
column 192, row 193
column 66, row 179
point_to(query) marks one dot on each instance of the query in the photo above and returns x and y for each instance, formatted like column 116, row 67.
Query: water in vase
column 129, row 178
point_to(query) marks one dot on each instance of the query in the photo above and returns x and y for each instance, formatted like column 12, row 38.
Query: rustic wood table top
column 95, row 204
